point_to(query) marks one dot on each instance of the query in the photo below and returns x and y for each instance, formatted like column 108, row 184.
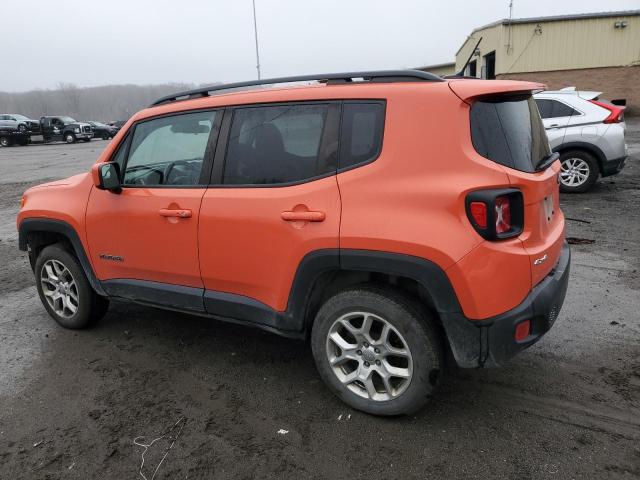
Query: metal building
column 593, row 51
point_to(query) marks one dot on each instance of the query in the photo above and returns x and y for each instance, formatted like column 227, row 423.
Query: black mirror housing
column 109, row 177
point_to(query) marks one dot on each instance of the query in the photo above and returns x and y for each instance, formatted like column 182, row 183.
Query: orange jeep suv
column 394, row 219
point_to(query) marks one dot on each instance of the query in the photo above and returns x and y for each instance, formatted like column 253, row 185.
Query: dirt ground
column 232, row 402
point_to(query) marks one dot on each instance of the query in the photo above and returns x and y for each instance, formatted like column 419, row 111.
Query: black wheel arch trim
column 32, row 225
column 588, row 147
column 294, row 321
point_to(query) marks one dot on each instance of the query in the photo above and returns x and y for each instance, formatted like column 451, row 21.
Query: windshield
column 509, row 131
column 19, row 117
column 67, row 120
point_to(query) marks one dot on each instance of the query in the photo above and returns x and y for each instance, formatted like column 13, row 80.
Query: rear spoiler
column 468, row 90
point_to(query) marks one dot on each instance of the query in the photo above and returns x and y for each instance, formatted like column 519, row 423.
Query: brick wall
column 613, row 82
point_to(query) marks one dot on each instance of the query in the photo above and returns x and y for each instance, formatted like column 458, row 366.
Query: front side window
column 277, row 144
column 509, row 131
column 169, row 150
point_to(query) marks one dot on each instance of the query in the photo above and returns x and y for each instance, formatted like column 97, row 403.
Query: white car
column 587, row 132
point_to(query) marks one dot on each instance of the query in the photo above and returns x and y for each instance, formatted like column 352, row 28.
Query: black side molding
column 175, row 297
column 293, row 319
column 31, row 225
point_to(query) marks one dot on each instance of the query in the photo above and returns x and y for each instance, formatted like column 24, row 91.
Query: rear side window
column 554, row 109
column 361, row 133
column 277, row 144
column 509, row 131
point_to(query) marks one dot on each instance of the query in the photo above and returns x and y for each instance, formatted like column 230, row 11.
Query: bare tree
column 109, row 102
column 71, row 94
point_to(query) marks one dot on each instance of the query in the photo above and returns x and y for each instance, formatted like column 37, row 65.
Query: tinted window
column 361, row 133
column 169, row 150
column 554, row 109
column 277, row 144
column 509, row 132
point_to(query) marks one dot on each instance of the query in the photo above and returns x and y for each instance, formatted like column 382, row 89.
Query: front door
column 276, row 201
column 144, row 240
column 51, row 128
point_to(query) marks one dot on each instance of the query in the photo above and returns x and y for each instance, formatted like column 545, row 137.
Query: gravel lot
column 72, row 403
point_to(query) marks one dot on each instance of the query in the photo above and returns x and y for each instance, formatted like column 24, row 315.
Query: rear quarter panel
column 411, row 200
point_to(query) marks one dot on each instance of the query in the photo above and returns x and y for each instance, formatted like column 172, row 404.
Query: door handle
column 180, row 213
column 303, row 216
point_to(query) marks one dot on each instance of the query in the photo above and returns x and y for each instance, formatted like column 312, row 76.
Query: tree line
column 105, row 103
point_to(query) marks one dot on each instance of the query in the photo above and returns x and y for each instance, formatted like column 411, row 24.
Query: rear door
column 557, row 118
column 273, row 200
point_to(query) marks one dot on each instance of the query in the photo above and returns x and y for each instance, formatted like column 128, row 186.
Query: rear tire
column 4, row 142
column 579, row 171
column 65, row 291
column 392, row 373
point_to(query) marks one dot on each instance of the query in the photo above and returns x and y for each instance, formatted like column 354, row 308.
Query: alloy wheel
column 59, row 288
column 574, row 172
column 369, row 356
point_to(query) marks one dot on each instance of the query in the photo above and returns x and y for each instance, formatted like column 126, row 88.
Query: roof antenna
column 509, row 26
column 461, row 72
column 255, row 31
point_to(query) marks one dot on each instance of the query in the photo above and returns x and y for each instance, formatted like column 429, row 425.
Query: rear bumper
column 491, row 342
column 611, row 167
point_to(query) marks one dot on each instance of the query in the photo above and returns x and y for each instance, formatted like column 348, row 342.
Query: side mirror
column 106, row 176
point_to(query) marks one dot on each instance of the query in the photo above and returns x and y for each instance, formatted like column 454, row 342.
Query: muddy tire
column 65, row 291
column 377, row 350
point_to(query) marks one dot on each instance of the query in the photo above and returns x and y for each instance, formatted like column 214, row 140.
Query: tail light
column 496, row 214
column 479, row 213
column 616, row 114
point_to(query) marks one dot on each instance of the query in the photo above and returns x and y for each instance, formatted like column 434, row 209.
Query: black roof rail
column 383, row 76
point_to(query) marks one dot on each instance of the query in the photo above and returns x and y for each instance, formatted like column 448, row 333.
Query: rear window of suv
column 509, row 131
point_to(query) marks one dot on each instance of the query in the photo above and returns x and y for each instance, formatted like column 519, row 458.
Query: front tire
column 579, row 171
column 377, row 350
column 4, row 142
column 69, row 138
column 65, row 291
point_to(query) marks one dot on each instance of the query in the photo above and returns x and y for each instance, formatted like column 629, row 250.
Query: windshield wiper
column 545, row 162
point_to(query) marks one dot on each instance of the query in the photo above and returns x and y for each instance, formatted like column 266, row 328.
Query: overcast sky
column 100, row 42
